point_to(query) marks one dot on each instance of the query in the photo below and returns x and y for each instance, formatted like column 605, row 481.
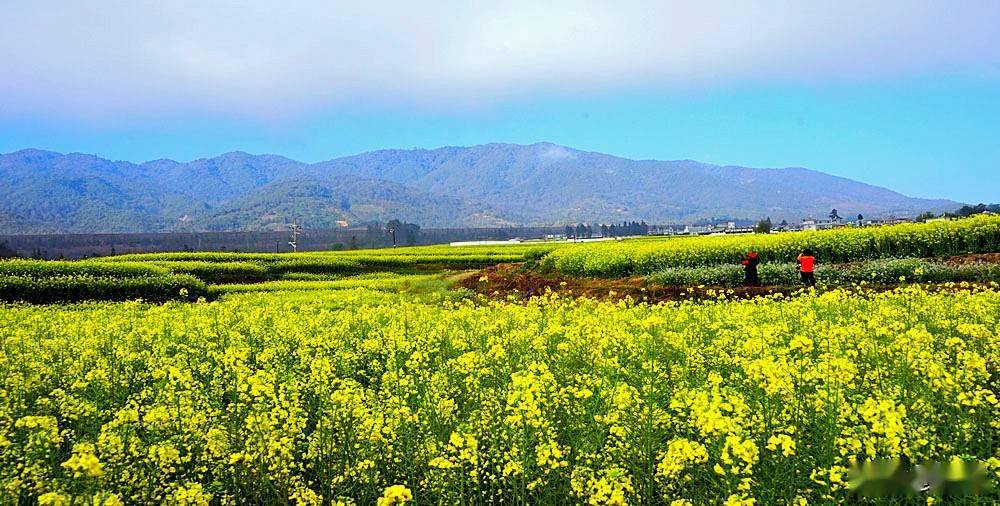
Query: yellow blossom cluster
column 365, row 397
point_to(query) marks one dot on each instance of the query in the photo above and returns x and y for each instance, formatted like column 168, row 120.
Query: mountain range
column 487, row 185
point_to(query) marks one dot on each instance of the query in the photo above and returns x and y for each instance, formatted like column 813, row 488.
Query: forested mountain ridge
column 487, row 185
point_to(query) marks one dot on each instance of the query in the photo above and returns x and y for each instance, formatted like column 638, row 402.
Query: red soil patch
column 973, row 258
column 507, row 280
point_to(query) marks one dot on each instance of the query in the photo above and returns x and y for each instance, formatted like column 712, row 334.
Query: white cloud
column 264, row 59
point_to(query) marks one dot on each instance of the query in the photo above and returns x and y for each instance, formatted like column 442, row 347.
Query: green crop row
column 44, row 281
column 50, row 268
column 282, row 268
column 217, row 272
column 86, row 287
column 643, row 257
column 383, row 281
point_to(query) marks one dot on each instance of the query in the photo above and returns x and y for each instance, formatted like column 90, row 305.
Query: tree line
column 624, row 229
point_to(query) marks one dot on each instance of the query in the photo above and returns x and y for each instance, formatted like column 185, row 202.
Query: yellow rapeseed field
column 361, row 396
column 978, row 234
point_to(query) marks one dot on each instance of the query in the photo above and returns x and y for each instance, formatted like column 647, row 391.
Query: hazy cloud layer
column 95, row 59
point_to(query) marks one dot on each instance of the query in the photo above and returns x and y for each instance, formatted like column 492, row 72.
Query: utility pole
column 187, row 226
column 392, row 227
column 295, row 228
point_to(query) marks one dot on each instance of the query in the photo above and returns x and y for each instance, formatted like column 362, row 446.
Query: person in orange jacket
column 807, row 267
column 750, row 276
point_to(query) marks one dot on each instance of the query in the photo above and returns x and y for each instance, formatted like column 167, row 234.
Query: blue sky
column 902, row 94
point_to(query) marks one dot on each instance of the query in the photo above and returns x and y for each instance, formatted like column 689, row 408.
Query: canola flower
column 361, row 396
column 396, row 494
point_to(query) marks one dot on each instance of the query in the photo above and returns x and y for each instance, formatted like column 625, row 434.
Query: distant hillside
column 553, row 183
column 489, row 185
column 13, row 224
column 321, row 203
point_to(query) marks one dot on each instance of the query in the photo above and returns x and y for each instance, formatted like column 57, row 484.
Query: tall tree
column 411, row 232
column 763, row 226
column 6, row 252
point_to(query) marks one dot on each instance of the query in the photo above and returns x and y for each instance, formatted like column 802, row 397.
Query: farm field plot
column 57, row 281
column 278, row 379
column 974, row 235
column 418, row 257
column 157, row 277
column 343, row 395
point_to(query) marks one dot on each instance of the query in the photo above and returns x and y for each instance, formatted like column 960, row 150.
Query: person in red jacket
column 750, row 276
column 807, row 267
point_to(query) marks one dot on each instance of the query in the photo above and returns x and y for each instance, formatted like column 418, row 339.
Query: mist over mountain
column 487, row 185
